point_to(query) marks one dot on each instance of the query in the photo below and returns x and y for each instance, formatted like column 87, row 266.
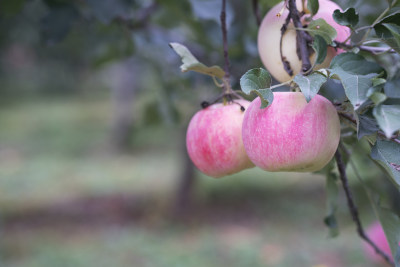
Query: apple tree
column 338, row 85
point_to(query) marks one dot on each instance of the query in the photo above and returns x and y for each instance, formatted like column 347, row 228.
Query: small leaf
column 258, row 81
column 266, row 97
column 255, row 79
column 388, row 29
column 392, row 89
column 313, row 6
column 366, row 125
column 347, row 18
column 322, row 28
column 320, row 47
column 355, row 64
column 355, row 86
column 395, row 31
column 310, row 85
column 388, row 117
column 378, row 98
column 386, row 153
column 190, row 63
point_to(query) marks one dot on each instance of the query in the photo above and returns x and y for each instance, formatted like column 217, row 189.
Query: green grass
column 56, row 151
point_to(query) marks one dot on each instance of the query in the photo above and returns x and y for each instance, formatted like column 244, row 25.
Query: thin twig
column 256, row 12
column 225, row 39
column 353, row 208
column 301, row 37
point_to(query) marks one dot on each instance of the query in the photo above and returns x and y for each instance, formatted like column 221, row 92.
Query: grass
column 55, row 152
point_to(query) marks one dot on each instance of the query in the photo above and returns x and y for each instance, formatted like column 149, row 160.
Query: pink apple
column 291, row 134
column 377, row 235
column 269, row 39
column 214, row 139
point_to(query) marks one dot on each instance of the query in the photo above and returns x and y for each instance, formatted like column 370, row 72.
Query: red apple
column 214, row 139
column 291, row 134
column 377, row 235
column 269, row 39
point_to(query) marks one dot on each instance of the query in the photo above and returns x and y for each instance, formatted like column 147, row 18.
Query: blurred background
column 93, row 166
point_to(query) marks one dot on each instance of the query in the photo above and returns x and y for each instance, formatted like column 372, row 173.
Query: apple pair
column 289, row 135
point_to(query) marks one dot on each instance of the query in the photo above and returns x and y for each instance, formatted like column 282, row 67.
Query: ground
column 66, row 201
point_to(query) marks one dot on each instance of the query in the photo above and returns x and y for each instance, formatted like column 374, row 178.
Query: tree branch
column 301, row 37
column 225, row 40
column 353, row 208
column 256, row 12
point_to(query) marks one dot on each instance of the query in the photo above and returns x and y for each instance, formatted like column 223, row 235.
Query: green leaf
column 107, row 10
column 313, row 6
column 394, row 39
column 388, row 28
column 355, row 64
column 322, row 28
column 258, row 81
column 347, row 18
column 332, row 192
column 190, row 63
column 366, row 125
column 388, row 117
column 310, row 85
column 378, row 98
column 320, row 47
column 355, row 86
column 392, row 89
column 386, row 153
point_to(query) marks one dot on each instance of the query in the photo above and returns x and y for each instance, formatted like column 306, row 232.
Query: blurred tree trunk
column 124, row 86
column 185, row 189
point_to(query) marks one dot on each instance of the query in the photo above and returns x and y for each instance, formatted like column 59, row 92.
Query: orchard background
column 93, row 165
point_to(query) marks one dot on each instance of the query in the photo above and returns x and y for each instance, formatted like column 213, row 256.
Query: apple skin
column 269, row 35
column 214, row 139
column 377, row 235
column 291, row 134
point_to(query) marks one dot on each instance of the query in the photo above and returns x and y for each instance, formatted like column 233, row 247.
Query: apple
column 291, row 134
column 214, row 139
column 269, row 35
column 377, row 235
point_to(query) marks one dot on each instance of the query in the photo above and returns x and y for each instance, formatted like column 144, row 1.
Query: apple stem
column 353, row 208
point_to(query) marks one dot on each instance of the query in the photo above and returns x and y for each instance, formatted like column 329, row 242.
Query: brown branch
column 225, row 40
column 353, row 208
column 301, row 37
column 256, row 12
column 380, row 133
